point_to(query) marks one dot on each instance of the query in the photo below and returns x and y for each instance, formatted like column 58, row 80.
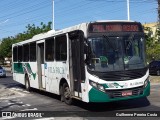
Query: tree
column 6, row 44
column 5, row 48
column 152, row 44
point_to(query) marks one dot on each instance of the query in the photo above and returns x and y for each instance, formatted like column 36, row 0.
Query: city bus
column 101, row 61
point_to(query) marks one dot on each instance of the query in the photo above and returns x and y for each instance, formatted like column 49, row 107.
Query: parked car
column 2, row 72
column 154, row 68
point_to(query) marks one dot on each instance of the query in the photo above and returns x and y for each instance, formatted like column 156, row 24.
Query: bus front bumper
column 99, row 96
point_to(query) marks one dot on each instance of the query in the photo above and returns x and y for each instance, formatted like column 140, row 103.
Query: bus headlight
column 146, row 82
column 96, row 85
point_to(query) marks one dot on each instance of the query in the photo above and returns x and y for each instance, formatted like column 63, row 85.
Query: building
column 153, row 27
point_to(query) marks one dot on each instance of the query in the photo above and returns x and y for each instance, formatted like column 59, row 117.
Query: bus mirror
column 85, row 47
column 87, row 53
column 86, row 61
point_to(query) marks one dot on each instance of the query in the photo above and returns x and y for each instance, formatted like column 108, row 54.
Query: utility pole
column 128, row 10
column 53, row 16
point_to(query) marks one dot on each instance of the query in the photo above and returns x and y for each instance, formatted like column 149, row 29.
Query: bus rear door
column 41, row 65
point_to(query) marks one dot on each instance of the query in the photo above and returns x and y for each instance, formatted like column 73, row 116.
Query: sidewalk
column 155, row 79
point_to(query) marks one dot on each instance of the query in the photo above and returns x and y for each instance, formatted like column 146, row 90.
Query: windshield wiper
column 108, row 41
column 130, row 41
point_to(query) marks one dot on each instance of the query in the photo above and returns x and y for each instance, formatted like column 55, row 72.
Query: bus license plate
column 126, row 93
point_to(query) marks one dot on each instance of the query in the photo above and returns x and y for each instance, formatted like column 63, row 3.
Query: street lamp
column 53, row 16
column 128, row 10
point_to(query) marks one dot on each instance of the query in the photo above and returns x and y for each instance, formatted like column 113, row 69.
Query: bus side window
column 15, row 54
column 26, row 52
column 49, row 52
column 33, row 52
column 19, row 53
column 61, row 48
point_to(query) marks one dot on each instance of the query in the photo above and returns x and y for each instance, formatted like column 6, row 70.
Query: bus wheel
column 27, row 85
column 67, row 94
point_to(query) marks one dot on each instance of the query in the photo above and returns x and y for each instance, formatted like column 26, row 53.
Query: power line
column 22, row 11
column 84, row 6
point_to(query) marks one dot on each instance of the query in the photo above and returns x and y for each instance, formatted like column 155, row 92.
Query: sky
column 15, row 15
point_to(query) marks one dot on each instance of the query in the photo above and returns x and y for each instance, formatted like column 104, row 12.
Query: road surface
column 13, row 97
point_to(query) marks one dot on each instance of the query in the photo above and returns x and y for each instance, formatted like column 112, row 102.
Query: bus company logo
column 125, row 85
column 136, row 83
column 6, row 114
column 9, row 115
column 115, row 85
column 125, row 78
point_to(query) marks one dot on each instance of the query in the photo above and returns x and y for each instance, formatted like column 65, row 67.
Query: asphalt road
column 13, row 97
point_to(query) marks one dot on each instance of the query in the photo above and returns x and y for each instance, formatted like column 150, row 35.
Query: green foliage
column 6, row 43
column 152, row 44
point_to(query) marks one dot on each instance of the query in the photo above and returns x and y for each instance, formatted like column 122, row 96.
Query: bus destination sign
column 104, row 27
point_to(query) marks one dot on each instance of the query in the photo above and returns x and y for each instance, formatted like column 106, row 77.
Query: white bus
column 99, row 61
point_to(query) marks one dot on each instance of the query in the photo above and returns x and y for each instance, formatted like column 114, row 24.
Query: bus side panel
column 19, row 78
column 55, row 71
column 51, row 82
column 20, row 69
column 85, row 87
column 32, row 72
column 18, row 72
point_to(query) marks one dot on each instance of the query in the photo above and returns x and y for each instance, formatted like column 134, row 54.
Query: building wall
column 153, row 27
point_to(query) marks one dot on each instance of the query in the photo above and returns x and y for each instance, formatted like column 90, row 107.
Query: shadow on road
column 118, row 105
column 97, row 107
column 102, row 107
column 13, row 103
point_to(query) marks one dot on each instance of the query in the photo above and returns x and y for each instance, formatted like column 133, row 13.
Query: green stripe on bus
column 21, row 67
column 99, row 96
column 18, row 68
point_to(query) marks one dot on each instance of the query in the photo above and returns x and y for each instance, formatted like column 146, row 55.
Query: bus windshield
column 116, row 53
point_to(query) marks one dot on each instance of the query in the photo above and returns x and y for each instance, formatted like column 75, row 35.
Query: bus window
column 26, row 53
column 19, row 53
column 15, row 54
column 61, row 48
column 32, row 52
column 49, row 46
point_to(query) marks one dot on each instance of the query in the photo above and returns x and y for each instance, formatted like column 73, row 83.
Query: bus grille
column 118, row 93
column 121, row 75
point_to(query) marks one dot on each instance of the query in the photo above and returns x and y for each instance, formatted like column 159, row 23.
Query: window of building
column 49, row 52
column 61, row 48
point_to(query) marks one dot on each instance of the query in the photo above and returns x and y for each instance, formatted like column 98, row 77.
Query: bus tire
column 27, row 84
column 61, row 93
column 66, row 94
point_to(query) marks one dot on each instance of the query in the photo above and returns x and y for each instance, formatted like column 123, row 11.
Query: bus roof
column 51, row 33
column 113, row 21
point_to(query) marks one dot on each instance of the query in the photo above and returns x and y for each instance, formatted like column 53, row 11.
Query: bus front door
column 77, row 64
column 41, row 66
